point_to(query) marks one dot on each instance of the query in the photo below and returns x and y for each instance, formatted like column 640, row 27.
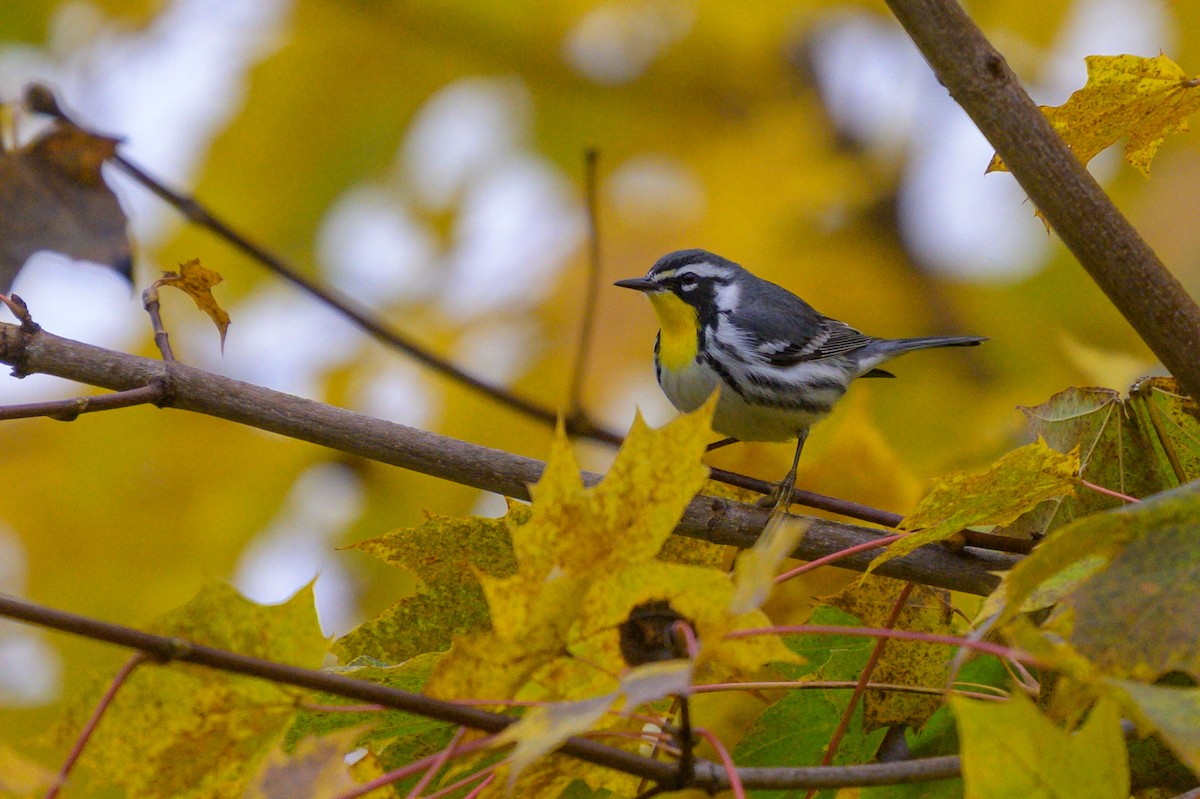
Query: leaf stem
column 833, row 557
column 85, row 734
column 1099, row 489
column 861, row 686
column 986, row 647
column 735, row 781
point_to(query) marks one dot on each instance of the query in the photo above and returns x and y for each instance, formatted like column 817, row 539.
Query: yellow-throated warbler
column 779, row 364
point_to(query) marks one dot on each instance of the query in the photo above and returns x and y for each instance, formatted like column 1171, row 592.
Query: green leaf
column 1139, row 446
column 1173, row 712
column 902, row 662
column 185, row 731
column 447, row 554
column 1011, row 751
column 1132, row 610
column 796, row 730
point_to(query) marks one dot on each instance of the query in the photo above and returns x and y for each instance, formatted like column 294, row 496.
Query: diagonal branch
column 1150, row 298
column 42, row 100
column 709, row 518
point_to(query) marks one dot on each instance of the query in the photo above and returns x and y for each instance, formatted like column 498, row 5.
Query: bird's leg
column 781, row 498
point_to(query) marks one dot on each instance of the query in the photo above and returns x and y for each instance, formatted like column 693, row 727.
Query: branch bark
column 709, row 518
column 1103, row 241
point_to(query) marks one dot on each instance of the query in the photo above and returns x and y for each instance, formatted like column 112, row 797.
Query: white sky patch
column 957, row 220
column 517, row 226
column 168, row 89
column 398, row 391
column 496, row 350
column 75, row 300
column 615, row 42
column 877, row 101
column 279, row 339
column 30, row 670
column 467, row 127
column 372, row 248
column 640, row 391
column 298, row 545
column 960, row 222
column 651, row 190
column 1102, row 27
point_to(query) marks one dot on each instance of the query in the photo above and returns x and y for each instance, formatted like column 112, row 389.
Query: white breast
column 687, row 389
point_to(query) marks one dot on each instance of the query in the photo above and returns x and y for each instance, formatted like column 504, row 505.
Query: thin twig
column 708, row 518
column 591, row 289
column 161, row 339
column 860, row 688
column 1108, row 492
column 822, row 685
column 67, row 410
column 438, row 764
column 708, row 776
column 85, row 734
column 41, row 99
column 810, row 499
column 833, row 557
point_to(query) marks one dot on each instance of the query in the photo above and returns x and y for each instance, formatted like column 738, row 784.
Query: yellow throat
column 677, row 344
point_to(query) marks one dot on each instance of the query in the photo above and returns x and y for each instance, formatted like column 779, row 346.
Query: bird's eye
column 687, row 281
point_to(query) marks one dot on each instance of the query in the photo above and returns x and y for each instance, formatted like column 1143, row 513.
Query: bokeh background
column 426, row 158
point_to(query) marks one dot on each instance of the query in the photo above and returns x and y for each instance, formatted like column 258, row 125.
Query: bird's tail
column 896, row 346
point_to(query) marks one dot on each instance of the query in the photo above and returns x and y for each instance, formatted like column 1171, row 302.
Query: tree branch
column 708, row 775
column 41, row 99
column 1103, row 241
column 709, row 518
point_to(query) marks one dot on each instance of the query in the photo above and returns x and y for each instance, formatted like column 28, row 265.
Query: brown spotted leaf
column 52, row 197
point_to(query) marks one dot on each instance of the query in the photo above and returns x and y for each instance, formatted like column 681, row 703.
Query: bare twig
column 85, row 734
column 591, row 291
column 161, row 339
column 709, row 776
column 67, row 410
column 42, row 100
column 1150, row 298
column 708, row 518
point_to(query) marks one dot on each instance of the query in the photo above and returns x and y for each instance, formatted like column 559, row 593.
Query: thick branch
column 1112, row 252
column 1121, row 263
column 707, row 518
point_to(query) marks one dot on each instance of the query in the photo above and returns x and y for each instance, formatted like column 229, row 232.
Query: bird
column 780, row 366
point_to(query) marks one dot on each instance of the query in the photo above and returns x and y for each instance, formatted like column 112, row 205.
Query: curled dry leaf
column 197, row 282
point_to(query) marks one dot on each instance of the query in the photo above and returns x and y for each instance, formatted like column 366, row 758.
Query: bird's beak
column 638, row 284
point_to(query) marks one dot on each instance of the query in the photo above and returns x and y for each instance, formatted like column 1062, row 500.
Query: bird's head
column 689, row 285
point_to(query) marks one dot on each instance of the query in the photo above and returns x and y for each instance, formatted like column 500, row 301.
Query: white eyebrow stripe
column 699, row 269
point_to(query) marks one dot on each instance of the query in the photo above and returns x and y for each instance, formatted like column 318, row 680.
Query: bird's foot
column 780, row 499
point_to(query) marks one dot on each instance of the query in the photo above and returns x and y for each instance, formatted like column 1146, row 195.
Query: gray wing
column 785, row 330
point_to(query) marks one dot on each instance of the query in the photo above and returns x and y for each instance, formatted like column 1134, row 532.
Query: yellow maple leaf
column 197, row 282
column 575, row 536
column 1146, row 99
column 1013, row 485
